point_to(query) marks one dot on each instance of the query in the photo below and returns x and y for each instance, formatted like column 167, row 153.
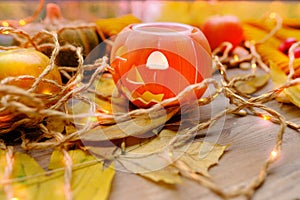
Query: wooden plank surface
column 251, row 139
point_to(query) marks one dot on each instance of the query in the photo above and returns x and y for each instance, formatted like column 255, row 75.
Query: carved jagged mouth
column 148, row 98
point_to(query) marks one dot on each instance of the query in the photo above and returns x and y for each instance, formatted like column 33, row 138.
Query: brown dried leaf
column 55, row 124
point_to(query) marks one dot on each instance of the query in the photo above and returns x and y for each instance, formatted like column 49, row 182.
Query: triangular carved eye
column 157, row 60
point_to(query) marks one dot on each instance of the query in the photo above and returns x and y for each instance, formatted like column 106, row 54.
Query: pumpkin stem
column 53, row 14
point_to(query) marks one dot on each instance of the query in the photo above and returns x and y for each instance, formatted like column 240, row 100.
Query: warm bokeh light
column 273, row 15
column 5, row 24
column 236, row 58
column 47, row 92
column 253, row 65
column 266, row 117
column 93, row 119
column 274, row 154
column 22, row 22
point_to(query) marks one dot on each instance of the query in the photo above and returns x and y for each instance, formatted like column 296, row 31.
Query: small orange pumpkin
column 76, row 33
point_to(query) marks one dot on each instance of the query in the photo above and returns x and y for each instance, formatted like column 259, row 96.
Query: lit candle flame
column 157, row 60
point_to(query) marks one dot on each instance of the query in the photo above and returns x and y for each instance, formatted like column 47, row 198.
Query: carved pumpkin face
column 156, row 61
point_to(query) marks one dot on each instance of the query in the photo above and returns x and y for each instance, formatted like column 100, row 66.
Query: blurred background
column 191, row 12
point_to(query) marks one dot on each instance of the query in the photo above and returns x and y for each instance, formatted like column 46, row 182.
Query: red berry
column 285, row 45
column 297, row 52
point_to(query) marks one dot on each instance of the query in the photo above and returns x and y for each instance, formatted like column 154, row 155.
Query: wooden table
column 251, row 140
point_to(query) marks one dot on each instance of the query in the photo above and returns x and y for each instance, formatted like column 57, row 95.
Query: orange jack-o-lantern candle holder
column 152, row 62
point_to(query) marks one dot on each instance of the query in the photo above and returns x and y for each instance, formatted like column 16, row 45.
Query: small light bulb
column 274, row 154
column 5, row 24
column 236, row 57
column 93, row 119
column 201, row 100
column 272, row 15
column 266, row 117
column 22, row 22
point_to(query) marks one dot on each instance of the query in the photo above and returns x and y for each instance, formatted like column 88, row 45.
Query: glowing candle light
column 157, row 60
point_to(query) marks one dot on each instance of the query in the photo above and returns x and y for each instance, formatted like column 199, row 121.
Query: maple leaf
column 154, row 158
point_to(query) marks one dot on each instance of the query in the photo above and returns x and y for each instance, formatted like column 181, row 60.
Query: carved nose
column 157, row 60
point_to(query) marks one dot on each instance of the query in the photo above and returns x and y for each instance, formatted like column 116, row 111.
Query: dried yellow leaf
column 169, row 175
column 35, row 184
column 30, row 181
column 288, row 95
column 154, row 159
column 113, row 26
column 89, row 182
column 252, row 85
